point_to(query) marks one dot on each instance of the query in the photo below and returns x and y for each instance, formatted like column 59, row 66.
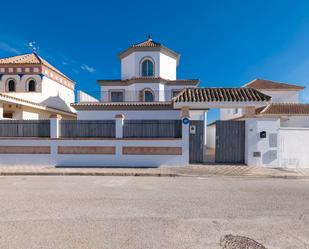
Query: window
column 235, row 111
column 116, row 96
column 175, row 92
column 11, row 85
column 147, row 68
column 31, row 86
column 148, row 96
column 8, row 115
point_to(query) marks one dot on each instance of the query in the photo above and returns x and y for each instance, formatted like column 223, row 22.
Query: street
column 151, row 212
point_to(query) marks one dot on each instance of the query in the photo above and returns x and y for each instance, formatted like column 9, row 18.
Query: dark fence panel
column 88, row 128
column 24, row 128
column 152, row 129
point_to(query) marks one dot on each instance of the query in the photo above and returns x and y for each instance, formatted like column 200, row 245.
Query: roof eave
column 220, row 104
column 161, row 48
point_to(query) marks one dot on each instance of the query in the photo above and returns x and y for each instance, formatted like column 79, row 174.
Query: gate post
column 119, row 125
column 185, row 133
column 55, row 126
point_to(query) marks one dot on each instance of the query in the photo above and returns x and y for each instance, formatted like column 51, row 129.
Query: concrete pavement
column 152, row 212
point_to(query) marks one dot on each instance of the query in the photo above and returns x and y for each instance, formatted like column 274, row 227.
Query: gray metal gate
column 230, row 142
column 196, row 141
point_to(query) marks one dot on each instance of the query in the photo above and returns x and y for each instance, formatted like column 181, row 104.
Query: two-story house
column 31, row 88
column 147, row 85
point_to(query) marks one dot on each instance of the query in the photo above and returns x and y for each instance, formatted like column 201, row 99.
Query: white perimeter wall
column 269, row 155
column 294, row 147
column 284, row 147
column 117, row 159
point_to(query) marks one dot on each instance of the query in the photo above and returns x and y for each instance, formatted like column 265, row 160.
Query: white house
column 149, row 91
column 149, row 117
column 147, row 85
column 281, row 94
column 277, row 134
column 31, row 88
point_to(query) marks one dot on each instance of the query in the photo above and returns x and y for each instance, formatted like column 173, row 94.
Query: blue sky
column 223, row 43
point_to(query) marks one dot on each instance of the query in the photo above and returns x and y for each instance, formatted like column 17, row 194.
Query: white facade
column 295, row 121
column 164, row 65
column 32, row 88
column 283, row 96
column 48, row 92
column 278, row 96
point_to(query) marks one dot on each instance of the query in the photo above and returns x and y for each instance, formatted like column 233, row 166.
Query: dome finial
column 149, row 38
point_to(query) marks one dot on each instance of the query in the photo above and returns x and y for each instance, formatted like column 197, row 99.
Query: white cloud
column 87, row 68
column 8, row 48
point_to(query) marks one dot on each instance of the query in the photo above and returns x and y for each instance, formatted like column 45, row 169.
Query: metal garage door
column 230, row 142
column 196, row 141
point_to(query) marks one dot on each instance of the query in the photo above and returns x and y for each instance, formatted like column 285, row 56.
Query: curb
column 144, row 174
column 86, row 174
column 246, row 176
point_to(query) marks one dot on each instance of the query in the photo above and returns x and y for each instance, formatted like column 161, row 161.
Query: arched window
column 148, row 96
column 147, row 68
column 31, row 86
column 11, row 85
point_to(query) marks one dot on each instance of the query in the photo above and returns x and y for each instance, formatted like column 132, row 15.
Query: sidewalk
column 193, row 170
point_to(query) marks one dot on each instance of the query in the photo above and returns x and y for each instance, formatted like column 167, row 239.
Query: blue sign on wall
column 185, row 121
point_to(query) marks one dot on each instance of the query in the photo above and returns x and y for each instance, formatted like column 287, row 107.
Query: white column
column 205, row 127
column 185, row 133
column 119, row 125
column 55, row 126
column 1, row 110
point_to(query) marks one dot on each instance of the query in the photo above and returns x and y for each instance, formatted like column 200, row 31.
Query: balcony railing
column 121, row 95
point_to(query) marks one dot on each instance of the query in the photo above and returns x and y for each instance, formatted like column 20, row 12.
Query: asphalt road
column 151, row 212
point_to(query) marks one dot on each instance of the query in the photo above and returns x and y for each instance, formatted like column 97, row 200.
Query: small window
column 31, row 86
column 11, row 86
column 116, row 96
column 148, row 96
column 147, row 68
column 175, row 92
column 235, row 111
column 8, row 115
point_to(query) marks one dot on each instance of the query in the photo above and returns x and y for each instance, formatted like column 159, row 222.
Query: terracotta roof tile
column 261, row 84
column 148, row 43
column 123, row 105
column 31, row 58
column 220, row 95
column 284, row 109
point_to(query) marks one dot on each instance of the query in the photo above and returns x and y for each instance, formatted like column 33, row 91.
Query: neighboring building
column 278, row 91
column 31, row 88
